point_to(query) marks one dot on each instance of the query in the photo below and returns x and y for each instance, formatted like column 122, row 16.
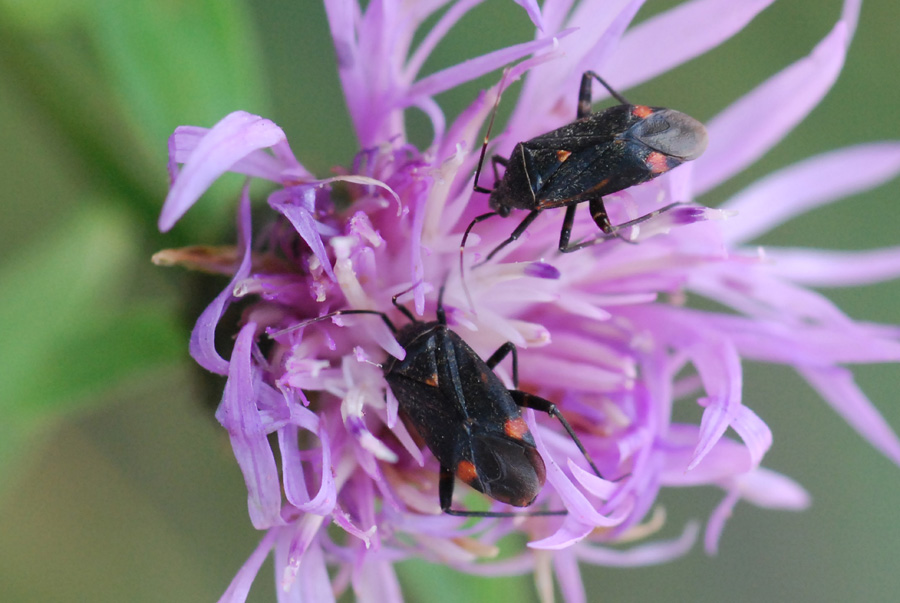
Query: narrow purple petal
column 239, row 415
column 306, row 226
column 203, row 336
column 471, row 69
column 821, row 268
column 435, row 35
column 565, row 563
column 233, row 138
column 313, row 581
column 677, row 36
column 257, row 164
column 726, row 459
column 719, row 366
column 534, row 12
column 303, row 532
column 850, row 15
column 376, row 582
column 770, row 490
column 294, row 482
column 754, row 432
column 549, row 95
column 239, row 588
column 837, row 387
column 717, row 521
column 775, row 107
column 646, row 554
column 812, row 183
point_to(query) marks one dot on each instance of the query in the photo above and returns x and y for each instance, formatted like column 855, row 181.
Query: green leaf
column 69, row 335
column 39, row 15
column 184, row 62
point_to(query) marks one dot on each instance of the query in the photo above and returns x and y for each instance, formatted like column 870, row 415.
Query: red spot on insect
column 657, row 162
column 466, row 471
column 641, row 111
column 562, row 155
column 432, row 380
column 516, row 428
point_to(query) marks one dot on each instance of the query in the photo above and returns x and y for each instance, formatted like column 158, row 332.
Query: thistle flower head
column 606, row 334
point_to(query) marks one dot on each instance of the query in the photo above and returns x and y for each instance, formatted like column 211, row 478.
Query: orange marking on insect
column 516, row 428
column 432, row 380
column 562, row 155
column 466, row 471
column 641, row 111
column 658, row 162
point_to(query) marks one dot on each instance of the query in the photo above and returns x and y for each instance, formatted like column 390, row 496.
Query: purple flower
column 605, row 333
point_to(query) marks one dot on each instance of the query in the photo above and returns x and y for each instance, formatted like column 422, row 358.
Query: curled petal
column 235, row 137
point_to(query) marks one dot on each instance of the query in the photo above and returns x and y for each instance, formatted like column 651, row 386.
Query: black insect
column 595, row 155
column 469, row 420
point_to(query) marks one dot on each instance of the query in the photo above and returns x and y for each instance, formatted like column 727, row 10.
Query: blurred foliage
column 113, row 475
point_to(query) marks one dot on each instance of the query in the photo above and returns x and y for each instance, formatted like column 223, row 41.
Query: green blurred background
column 116, row 484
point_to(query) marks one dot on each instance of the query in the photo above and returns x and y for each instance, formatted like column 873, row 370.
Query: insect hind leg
column 615, row 232
column 526, row 400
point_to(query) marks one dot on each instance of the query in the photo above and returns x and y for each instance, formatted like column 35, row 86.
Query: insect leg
column 515, row 234
column 501, row 353
column 616, row 229
column 584, row 93
column 537, row 403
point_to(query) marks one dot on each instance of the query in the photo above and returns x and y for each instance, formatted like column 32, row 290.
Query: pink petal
column 233, row 138
column 203, row 336
column 837, row 387
column 755, row 434
column 717, row 521
column 812, row 183
column 770, row 490
column 471, row 69
column 239, row 415
column 639, row 556
column 774, row 108
column 565, row 562
column 719, row 366
column 822, row 268
column 677, row 36
column 257, row 164
column 306, row 226
column 295, row 489
column 239, row 588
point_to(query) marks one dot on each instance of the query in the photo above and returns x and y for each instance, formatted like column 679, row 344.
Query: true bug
column 595, row 155
column 468, row 419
